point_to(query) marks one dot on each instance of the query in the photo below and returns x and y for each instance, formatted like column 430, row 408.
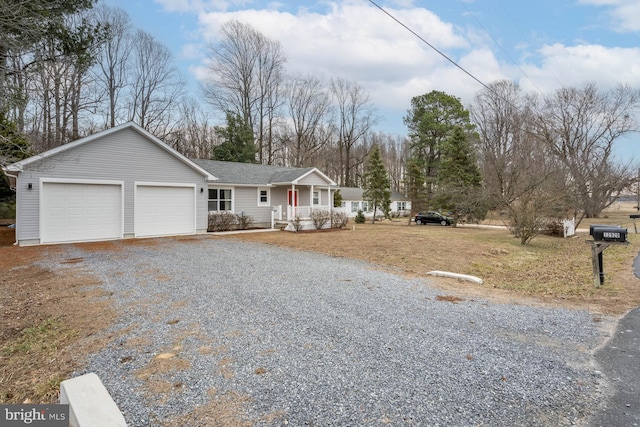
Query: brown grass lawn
column 50, row 320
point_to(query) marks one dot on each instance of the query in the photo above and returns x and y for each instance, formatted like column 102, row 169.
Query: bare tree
column 246, row 73
column 156, row 86
column 195, row 137
column 580, row 126
column 309, row 105
column 520, row 178
column 112, row 64
column 394, row 150
column 58, row 81
column 355, row 118
column 500, row 117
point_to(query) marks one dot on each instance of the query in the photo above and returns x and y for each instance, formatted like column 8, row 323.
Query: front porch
column 301, row 200
column 296, row 218
column 289, row 213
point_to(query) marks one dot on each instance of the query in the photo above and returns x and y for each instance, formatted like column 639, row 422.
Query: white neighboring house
column 353, row 201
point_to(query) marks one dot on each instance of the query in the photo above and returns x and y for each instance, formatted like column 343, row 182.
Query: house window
column 316, row 198
column 402, row 206
column 343, row 204
column 220, row 199
column 263, row 196
column 365, row 207
column 355, row 206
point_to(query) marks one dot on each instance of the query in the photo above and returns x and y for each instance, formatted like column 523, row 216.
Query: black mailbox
column 592, row 226
column 634, row 216
column 607, row 233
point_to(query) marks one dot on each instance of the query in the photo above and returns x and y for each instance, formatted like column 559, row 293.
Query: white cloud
column 574, row 65
column 352, row 39
column 624, row 13
column 356, row 41
column 197, row 5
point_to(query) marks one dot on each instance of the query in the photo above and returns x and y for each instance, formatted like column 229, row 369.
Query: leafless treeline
column 546, row 157
column 529, row 146
column 127, row 75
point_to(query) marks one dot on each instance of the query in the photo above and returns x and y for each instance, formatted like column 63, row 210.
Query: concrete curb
column 90, row 404
column 465, row 277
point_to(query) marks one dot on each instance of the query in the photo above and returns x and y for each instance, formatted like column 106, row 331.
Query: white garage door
column 164, row 210
column 78, row 212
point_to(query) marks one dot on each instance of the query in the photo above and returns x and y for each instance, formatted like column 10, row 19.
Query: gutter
column 15, row 179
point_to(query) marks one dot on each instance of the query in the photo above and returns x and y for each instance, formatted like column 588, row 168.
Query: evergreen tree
column 237, row 145
column 416, row 188
column 377, row 187
column 337, row 198
column 459, row 180
column 14, row 147
column 24, row 24
column 431, row 122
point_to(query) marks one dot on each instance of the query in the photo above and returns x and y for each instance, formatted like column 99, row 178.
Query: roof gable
column 19, row 166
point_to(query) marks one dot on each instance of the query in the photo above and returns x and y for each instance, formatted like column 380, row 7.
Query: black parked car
column 432, row 217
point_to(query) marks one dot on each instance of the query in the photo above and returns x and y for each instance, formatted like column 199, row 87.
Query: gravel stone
column 314, row 340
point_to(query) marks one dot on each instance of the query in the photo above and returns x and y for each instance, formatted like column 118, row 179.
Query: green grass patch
column 46, row 337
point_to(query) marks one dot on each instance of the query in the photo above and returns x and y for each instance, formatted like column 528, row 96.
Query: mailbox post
column 603, row 237
column 634, row 217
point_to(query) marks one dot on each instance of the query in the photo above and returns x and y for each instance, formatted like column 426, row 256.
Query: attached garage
column 163, row 210
column 119, row 183
column 74, row 212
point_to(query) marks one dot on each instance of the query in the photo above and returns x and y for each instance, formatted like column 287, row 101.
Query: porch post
column 291, row 210
column 330, row 206
column 311, row 199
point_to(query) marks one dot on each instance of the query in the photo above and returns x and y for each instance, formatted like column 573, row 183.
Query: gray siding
column 313, row 179
column 304, row 196
column 121, row 156
column 246, row 200
column 279, row 196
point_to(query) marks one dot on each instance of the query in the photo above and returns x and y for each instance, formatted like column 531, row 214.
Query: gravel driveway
column 268, row 336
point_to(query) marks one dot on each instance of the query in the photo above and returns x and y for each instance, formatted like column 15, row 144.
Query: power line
column 490, row 89
column 431, row 46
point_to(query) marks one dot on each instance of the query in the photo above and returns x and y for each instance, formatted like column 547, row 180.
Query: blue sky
column 542, row 44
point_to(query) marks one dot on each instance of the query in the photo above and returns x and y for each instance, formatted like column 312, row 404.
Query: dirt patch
column 223, row 410
column 7, row 236
column 50, row 321
column 226, row 410
column 450, row 298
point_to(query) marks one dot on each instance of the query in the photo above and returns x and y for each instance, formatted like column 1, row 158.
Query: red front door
column 293, row 198
column 293, row 204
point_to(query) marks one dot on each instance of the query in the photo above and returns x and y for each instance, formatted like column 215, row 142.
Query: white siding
column 124, row 155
